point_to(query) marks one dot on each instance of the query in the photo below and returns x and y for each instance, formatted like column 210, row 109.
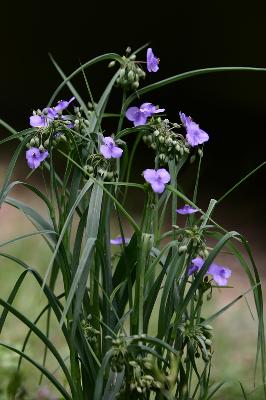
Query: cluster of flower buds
column 165, row 141
column 90, row 332
column 142, row 382
column 97, row 165
column 119, row 351
column 192, row 236
column 197, row 339
column 130, row 72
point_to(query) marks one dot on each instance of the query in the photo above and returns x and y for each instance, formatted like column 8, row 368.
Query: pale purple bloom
column 220, row 274
column 195, row 135
column 45, row 394
column 35, row 156
column 186, row 210
column 109, row 149
column 119, row 240
column 49, row 114
column 196, row 265
column 63, row 104
column 158, row 179
column 152, row 61
column 139, row 115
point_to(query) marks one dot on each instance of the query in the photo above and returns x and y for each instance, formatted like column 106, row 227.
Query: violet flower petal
column 152, row 61
column 186, row 209
column 119, row 240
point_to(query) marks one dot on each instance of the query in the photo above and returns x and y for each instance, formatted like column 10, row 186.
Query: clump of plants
column 155, row 276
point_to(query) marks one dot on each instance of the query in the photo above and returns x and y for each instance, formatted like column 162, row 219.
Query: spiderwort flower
column 109, row 149
column 186, row 210
column 34, row 157
column 152, row 61
column 220, row 274
column 157, row 178
column 49, row 114
column 196, row 265
column 139, row 115
column 195, row 135
column 119, row 240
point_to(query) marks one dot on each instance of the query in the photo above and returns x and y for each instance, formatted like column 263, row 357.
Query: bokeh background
column 229, row 106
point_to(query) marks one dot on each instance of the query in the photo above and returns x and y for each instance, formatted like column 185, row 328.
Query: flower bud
column 192, row 159
column 41, row 148
column 111, row 64
column 32, row 142
column 156, row 133
column 200, row 152
column 135, row 85
column 122, row 73
column 161, row 139
column 37, row 142
column 128, row 50
column 46, row 143
column 153, row 146
column 132, row 57
column 131, row 76
column 182, row 249
column 208, row 342
column 208, row 327
column 177, row 147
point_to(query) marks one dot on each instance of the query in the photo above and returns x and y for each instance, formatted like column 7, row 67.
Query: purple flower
column 186, row 210
column 139, row 115
column 63, row 104
column 45, row 394
column 119, row 240
column 158, row 179
column 34, row 157
column 49, row 114
column 152, row 61
column 109, row 149
column 195, row 135
column 196, row 265
column 220, row 274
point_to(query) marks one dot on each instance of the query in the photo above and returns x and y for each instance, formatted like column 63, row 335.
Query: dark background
column 185, row 35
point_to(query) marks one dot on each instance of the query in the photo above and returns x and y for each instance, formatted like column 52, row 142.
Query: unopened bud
column 111, row 64
column 128, row 50
column 41, row 148
column 161, row 139
column 200, row 152
column 131, row 76
column 132, row 57
column 122, row 73
column 135, row 85
column 182, row 249
column 192, row 159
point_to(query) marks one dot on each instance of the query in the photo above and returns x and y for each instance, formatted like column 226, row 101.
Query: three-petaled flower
column 119, row 240
column 157, row 179
column 139, row 115
column 194, row 135
column 49, row 114
column 220, row 274
column 109, row 150
column 186, row 209
column 35, row 156
column 152, row 61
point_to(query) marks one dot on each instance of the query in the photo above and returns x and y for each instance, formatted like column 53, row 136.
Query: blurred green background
column 230, row 107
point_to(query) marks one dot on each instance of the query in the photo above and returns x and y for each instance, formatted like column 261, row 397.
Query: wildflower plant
column 132, row 307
